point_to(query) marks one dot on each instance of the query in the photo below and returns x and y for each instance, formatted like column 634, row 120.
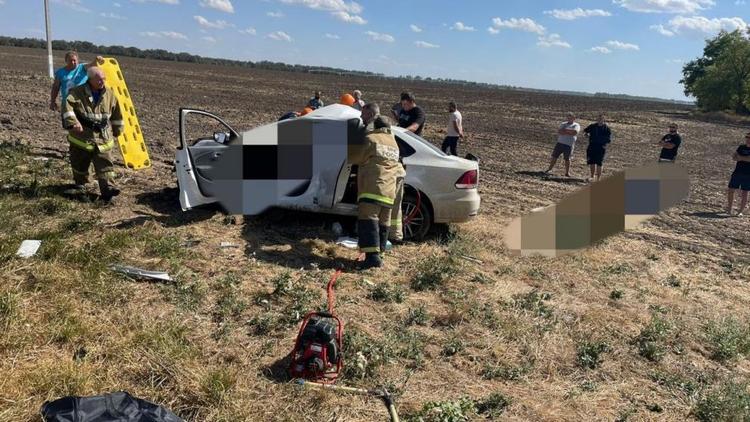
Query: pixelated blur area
column 275, row 163
column 600, row 210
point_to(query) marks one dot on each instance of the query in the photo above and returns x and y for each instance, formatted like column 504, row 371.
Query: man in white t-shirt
column 455, row 129
column 566, row 140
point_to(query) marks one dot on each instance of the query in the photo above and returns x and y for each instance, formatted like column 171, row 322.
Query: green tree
column 720, row 80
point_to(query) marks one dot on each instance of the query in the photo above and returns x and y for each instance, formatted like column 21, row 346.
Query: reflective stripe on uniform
column 396, row 222
column 89, row 147
column 84, row 173
column 372, row 249
column 106, row 146
column 374, row 197
column 68, row 114
column 116, row 122
column 81, row 144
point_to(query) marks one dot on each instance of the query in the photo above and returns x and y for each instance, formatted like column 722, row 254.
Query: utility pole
column 49, row 38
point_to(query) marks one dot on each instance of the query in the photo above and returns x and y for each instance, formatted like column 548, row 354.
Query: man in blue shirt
column 73, row 74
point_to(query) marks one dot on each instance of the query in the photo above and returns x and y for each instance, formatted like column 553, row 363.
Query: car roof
column 338, row 112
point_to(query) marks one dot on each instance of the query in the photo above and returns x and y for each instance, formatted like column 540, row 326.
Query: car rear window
column 404, row 149
column 417, row 138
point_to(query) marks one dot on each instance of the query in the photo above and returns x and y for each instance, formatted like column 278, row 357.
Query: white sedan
column 439, row 188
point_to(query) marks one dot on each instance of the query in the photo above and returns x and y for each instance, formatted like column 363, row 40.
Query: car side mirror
column 221, row 137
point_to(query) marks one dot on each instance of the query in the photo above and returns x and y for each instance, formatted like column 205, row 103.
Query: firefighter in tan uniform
column 87, row 114
column 377, row 158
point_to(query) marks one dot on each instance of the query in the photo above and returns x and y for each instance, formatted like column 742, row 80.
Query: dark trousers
column 450, row 142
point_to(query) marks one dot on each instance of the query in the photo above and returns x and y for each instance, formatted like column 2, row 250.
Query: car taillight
column 467, row 181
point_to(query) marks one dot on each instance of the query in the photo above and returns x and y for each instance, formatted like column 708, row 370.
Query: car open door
column 204, row 137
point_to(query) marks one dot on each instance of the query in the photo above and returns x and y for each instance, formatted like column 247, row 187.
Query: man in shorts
column 740, row 180
column 566, row 140
column 599, row 137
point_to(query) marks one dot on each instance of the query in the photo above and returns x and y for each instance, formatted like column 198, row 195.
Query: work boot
column 107, row 190
column 383, row 232
column 372, row 260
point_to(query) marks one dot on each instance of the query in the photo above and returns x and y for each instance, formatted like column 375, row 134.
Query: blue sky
column 621, row 46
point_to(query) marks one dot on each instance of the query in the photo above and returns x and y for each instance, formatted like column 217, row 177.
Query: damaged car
column 438, row 188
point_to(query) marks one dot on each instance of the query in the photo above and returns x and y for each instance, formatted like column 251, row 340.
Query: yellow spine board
column 132, row 146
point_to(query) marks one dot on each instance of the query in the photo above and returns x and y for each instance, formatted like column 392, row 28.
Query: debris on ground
column 139, row 272
column 225, row 245
column 347, row 242
column 28, row 248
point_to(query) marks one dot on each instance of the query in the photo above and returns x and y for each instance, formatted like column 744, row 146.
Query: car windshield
column 417, row 138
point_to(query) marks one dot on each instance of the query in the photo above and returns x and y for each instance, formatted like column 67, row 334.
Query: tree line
column 720, row 79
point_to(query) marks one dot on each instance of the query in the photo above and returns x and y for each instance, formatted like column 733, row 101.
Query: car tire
column 421, row 223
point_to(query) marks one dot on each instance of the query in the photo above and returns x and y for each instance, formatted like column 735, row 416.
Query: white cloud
column 102, row 28
column 665, row 6
column 552, row 40
column 164, row 34
column 619, row 45
column 209, row 39
column 459, row 26
column 376, row 36
column 332, row 37
column 172, row 2
column 112, row 16
column 73, row 4
column 275, row 15
column 523, row 24
column 205, row 23
column 248, row 31
column 424, row 44
column 576, row 13
column 602, row 50
column 223, row 5
column 700, row 25
column 740, row 2
column 116, row 5
column 279, row 36
column 674, row 61
column 493, row 31
column 328, row 5
column 344, row 11
column 662, row 30
column 415, row 28
column 349, row 18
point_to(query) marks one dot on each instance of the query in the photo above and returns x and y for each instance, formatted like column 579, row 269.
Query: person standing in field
column 315, row 102
column 411, row 117
column 599, row 137
column 670, row 143
column 358, row 101
column 71, row 75
column 455, row 129
column 567, row 134
column 740, row 180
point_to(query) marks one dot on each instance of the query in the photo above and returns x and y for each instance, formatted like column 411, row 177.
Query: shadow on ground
column 166, row 203
column 296, row 239
column 705, row 214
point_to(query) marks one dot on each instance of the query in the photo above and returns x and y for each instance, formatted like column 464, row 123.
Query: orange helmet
column 306, row 111
column 347, row 99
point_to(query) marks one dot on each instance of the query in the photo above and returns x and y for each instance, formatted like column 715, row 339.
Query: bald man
column 88, row 112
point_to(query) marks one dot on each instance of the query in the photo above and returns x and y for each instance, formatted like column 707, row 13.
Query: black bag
column 114, row 407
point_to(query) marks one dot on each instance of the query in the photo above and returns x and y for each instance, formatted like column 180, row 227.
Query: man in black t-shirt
column 669, row 144
column 740, row 177
column 599, row 137
column 412, row 116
